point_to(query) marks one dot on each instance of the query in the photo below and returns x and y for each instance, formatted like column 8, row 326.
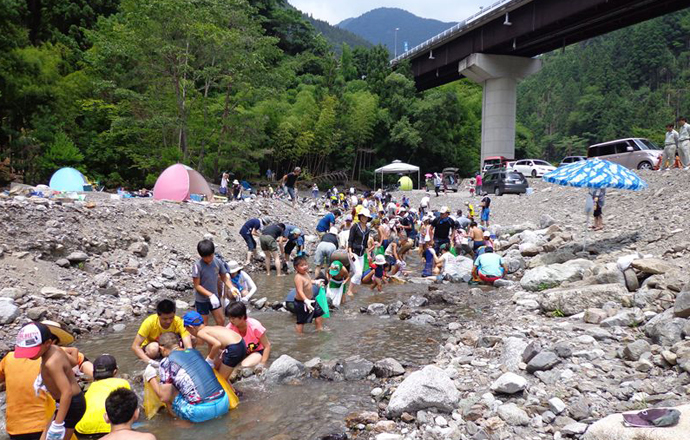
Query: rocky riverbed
column 573, row 336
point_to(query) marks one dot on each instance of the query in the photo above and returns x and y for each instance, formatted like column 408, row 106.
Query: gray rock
column 168, row 273
column 63, row 262
column 514, row 261
column 140, row 249
column 113, row 291
column 529, row 249
column 285, row 368
column 102, row 279
column 545, row 360
column 8, row 311
column 357, row 368
column 557, row 257
column 665, row 329
column 631, row 281
column 377, row 309
column 544, row 277
column 509, row 383
column 571, row 301
column 394, row 307
column 652, row 266
column 532, row 349
column 261, row 303
column 513, row 415
column 53, row 293
column 77, row 257
column 563, row 349
column 594, row 315
column 36, row 313
column 573, row 429
column 556, row 405
column 511, row 355
column 388, row 367
column 635, row 350
column 427, row 388
column 579, row 410
column 545, row 220
column 682, row 306
column 11, row 292
column 422, row 319
column 626, row 318
column 119, row 328
column 417, row 301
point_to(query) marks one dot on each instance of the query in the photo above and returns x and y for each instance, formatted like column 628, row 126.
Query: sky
column 335, row 11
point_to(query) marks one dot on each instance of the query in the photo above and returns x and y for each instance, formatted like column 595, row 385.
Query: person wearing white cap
column 441, row 229
column 241, row 281
column 357, row 248
column 237, row 190
column 379, row 273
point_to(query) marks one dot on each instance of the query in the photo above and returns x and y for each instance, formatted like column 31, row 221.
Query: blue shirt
column 325, row 223
column 251, row 225
column 291, row 237
column 489, row 264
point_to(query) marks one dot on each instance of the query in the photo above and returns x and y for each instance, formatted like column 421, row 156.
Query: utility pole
column 396, row 42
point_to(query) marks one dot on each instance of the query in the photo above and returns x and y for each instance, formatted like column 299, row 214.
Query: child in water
column 306, row 308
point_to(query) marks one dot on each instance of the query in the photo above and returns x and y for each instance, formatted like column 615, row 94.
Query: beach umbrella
column 595, row 173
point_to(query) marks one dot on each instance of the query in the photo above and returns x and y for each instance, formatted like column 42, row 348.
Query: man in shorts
column 145, row 345
column 328, row 245
column 290, row 182
column 270, row 240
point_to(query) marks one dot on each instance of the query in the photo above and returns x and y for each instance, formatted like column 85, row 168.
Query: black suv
column 501, row 181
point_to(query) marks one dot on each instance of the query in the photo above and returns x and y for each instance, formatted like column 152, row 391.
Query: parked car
column 451, row 179
column 571, row 159
column 492, row 162
column 501, row 181
column 633, row 153
column 511, row 165
column 533, row 167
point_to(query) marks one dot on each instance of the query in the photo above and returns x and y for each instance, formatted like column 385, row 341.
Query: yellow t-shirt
column 93, row 421
column 25, row 411
column 151, row 329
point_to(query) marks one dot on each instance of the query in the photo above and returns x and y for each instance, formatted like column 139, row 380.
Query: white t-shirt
column 425, row 202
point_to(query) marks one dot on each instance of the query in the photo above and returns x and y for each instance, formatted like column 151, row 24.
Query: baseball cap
column 29, row 340
column 445, row 210
column 487, row 234
column 365, row 212
column 297, row 231
column 104, row 366
column 192, row 319
column 335, row 268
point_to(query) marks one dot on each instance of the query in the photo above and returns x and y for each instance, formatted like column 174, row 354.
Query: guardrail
column 462, row 26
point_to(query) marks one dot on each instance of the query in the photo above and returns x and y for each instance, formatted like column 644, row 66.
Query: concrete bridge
column 496, row 46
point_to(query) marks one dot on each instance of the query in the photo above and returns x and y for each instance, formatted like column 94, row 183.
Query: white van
column 632, row 153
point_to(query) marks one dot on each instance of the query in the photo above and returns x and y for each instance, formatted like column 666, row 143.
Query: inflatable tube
column 341, row 255
column 232, row 397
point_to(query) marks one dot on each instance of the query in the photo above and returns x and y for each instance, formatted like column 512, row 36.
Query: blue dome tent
column 69, row 179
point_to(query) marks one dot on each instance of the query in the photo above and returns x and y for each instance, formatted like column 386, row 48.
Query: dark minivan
column 501, row 181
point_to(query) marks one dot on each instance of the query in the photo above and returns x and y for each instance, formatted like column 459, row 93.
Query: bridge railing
column 463, row 25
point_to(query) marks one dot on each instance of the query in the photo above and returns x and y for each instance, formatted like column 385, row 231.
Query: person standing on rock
column 145, row 345
column 670, row 147
column 252, row 228
column 207, row 275
column 224, row 184
column 290, row 183
column 357, row 248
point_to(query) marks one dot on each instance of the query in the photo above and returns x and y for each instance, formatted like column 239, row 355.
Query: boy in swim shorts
column 306, row 308
column 228, row 348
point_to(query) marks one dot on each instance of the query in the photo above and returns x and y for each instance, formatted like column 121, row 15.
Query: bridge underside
column 537, row 27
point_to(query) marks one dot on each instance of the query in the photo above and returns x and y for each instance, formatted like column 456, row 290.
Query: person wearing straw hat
column 62, row 338
column 357, row 248
column 34, row 341
column 241, row 280
column 237, row 190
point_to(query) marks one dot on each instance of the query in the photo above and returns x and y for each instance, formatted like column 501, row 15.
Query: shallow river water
column 315, row 408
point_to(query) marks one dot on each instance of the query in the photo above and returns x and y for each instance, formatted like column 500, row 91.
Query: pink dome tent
column 178, row 182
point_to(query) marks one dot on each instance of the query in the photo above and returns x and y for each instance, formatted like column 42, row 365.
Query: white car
column 533, row 167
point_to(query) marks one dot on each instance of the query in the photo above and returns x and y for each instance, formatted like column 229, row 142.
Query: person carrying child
column 306, row 307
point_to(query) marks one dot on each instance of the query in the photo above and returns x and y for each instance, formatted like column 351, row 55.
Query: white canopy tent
column 398, row 167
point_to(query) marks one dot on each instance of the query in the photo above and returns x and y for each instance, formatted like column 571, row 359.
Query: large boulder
column 285, row 368
column 665, row 329
column 612, row 428
column 430, row 387
column 514, row 261
column 388, row 367
column 652, row 266
column 544, row 277
column 8, row 311
column 357, row 368
column 682, row 306
column 571, row 301
column 557, row 257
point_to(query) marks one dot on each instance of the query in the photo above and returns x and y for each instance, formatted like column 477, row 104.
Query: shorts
column 268, row 243
column 204, row 308
column 323, row 253
column 234, row 354
column 597, row 211
column 31, row 436
column 223, row 191
column 304, row 316
column 391, row 260
column 485, row 214
column 77, row 409
column 249, row 239
column 201, row 412
column 291, row 192
column 477, row 245
column 487, row 278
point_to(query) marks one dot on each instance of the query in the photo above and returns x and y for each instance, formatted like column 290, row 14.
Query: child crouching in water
column 306, row 308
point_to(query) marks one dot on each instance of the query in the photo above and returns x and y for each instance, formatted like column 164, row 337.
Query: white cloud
column 335, row 11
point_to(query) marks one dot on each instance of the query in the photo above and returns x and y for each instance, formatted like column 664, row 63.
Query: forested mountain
column 337, row 36
column 631, row 82
column 378, row 26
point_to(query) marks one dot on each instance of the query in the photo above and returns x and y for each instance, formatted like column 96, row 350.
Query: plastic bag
column 152, row 404
column 322, row 301
column 232, row 397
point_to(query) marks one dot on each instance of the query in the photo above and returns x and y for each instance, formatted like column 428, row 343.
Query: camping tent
column 178, row 182
column 69, row 179
column 405, row 184
column 398, row 167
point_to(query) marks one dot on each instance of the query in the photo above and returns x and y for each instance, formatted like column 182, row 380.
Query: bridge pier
column 499, row 74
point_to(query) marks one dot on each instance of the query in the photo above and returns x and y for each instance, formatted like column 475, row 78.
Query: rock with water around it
column 430, row 387
column 388, row 367
column 417, row 301
column 8, row 311
column 361, row 418
column 509, row 383
column 261, row 303
column 285, row 368
column 571, row 301
column 77, row 257
column 545, row 360
column 635, row 350
column 356, row 368
column 652, row 266
column 377, row 309
column 613, row 428
column 513, row 415
column 544, row 277
column 682, row 306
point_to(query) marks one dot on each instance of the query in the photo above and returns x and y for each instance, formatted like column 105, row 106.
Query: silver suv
column 633, row 153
